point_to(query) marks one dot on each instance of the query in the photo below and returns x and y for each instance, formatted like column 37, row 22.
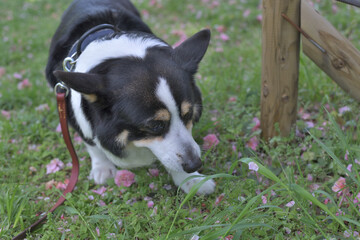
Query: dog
column 133, row 98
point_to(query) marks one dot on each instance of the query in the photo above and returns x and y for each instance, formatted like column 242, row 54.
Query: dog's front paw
column 102, row 173
column 207, row 187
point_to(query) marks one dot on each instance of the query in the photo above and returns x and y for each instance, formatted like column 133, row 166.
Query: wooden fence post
column 280, row 66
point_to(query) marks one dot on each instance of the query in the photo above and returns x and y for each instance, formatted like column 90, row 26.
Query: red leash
column 61, row 105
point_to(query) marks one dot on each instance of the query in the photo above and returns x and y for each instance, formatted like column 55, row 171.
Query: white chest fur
column 134, row 156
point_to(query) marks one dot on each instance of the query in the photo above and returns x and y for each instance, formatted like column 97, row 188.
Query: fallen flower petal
column 50, row 184
column 150, row 204
column 58, row 128
column 219, row 199
column 124, row 178
column 17, row 75
column 344, row 110
column 100, row 191
column 154, row 172
column 253, row 143
column 210, row 141
column 24, row 84
column 42, row 107
column 253, row 166
column 224, row 37
column 6, row 114
column 2, row 73
column 290, row 204
column 339, row 184
column 264, row 199
column 349, row 167
column 257, row 124
column 54, row 166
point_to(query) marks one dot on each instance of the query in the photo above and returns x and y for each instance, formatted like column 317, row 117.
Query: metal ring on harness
column 69, row 61
column 61, row 87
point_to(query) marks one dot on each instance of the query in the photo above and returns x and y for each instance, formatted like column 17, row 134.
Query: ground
column 305, row 186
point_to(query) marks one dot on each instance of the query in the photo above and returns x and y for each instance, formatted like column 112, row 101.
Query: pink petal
column 210, row 141
column 54, row 166
column 257, row 124
column 334, row 8
column 246, row 13
column 220, row 29
column 264, row 199
column 259, row 18
column 150, row 204
column 17, row 75
column 97, row 231
column 232, row 99
column 339, row 184
column 58, row 128
column 253, row 143
column 309, row 177
column 344, row 109
column 290, row 204
column 224, row 37
column 100, row 191
column 349, row 167
column 42, row 107
column 154, row 172
column 6, row 114
column 2, row 71
column 219, row 199
column 346, row 157
column 23, row 84
column 253, row 166
column 309, row 124
column 124, row 178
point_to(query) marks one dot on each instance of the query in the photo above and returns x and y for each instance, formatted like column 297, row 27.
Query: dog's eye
column 156, row 127
column 188, row 116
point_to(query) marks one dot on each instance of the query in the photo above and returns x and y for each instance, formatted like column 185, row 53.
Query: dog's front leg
column 101, row 167
column 207, row 188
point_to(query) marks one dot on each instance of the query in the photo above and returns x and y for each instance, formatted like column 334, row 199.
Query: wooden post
column 341, row 60
column 280, row 66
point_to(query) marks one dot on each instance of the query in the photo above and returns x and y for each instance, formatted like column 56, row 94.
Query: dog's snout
column 191, row 165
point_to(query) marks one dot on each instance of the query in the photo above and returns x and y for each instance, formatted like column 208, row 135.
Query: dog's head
column 148, row 98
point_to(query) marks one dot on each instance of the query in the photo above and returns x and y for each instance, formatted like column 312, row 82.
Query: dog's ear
column 86, row 83
column 89, row 85
column 192, row 50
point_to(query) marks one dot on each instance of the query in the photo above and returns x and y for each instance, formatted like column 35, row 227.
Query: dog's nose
column 191, row 165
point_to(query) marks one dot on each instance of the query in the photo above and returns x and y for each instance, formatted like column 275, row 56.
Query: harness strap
column 61, row 104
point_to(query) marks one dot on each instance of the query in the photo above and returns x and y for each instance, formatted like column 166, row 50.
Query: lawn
column 305, row 186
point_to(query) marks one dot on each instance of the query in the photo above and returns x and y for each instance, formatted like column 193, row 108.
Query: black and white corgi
column 133, row 98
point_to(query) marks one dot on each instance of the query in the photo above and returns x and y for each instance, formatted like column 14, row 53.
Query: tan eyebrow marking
column 162, row 115
column 122, row 138
column 185, row 108
column 90, row 97
column 148, row 141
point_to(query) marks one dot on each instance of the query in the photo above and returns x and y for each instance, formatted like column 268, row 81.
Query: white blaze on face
column 177, row 141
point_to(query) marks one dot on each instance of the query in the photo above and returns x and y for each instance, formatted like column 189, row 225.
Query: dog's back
column 81, row 16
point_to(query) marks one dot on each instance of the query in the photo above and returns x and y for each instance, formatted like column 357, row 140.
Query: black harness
column 102, row 31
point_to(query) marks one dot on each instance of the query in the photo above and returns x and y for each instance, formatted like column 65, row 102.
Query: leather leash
column 61, row 105
column 106, row 31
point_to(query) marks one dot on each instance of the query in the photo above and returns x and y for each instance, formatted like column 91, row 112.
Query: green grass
column 301, row 168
